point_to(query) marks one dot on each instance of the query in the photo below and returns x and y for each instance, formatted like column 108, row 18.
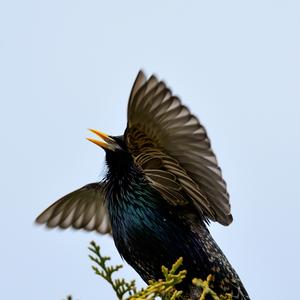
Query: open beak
column 106, row 141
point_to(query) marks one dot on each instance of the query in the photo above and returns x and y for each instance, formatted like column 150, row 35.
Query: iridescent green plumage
column 162, row 187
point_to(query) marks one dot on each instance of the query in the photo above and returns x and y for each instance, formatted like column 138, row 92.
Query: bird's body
column 143, row 224
column 149, row 233
column 162, row 186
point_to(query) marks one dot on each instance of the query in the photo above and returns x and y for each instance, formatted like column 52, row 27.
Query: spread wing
column 84, row 208
column 174, row 151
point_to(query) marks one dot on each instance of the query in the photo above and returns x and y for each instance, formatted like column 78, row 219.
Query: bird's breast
column 133, row 207
column 148, row 232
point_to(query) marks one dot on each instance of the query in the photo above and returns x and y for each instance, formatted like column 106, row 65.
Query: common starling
column 162, row 187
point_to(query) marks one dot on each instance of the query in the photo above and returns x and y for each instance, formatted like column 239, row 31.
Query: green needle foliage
column 206, row 290
column 164, row 289
column 122, row 288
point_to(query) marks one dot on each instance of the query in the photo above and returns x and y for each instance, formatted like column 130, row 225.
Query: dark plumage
column 162, row 187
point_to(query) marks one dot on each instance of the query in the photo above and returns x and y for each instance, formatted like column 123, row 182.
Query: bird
column 162, row 189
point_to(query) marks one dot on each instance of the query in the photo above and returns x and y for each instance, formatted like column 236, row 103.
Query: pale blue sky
column 66, row 66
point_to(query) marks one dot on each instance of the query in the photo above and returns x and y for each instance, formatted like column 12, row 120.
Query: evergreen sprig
column 122, row 288
column 163, row 289
column 205, row 286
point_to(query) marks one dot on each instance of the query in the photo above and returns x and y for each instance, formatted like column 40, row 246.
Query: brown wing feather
column 84, row 208
column 162, row 132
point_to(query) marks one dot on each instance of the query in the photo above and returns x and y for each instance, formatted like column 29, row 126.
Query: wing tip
column 226, row 220
column 40, row 219
column 138, row 82
column 141, row 73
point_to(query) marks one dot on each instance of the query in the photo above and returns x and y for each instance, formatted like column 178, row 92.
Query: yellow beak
column 106, row 141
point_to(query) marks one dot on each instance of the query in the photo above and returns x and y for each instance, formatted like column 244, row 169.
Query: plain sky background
column 66, row 66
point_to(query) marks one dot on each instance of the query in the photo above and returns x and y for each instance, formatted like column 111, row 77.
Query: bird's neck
column 121, row 176
column 120, row 179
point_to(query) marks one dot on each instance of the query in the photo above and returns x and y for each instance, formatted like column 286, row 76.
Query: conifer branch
column 205, row 286
column 163, row 289
column 120, row 286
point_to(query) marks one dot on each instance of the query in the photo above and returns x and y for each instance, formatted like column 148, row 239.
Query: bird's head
column 108, row 143
column 117, row 155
